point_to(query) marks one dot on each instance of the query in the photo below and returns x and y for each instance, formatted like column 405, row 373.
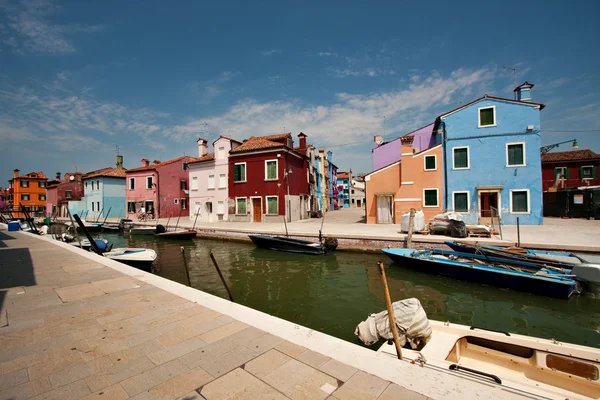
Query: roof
column 207, row 157
column 108, row 172
column 526, row 103
column 34, row 175
column 343, row 175
column 154, row 166
column 228, row 138
column 278, row 136
column 570, row 155
column 257, row 143
column 382, row 168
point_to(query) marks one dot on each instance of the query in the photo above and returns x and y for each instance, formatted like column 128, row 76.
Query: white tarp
column 411, row 322
column 418, row 224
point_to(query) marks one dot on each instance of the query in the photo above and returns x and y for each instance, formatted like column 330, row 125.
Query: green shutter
column 460, row 202
column 519, row 201
column 486, row 116
column 236, row 173
column 431, row 198
column 581, row 173
column 566, row 173
column 271, row 169
column 430, row 162
column 461, row 159
column 515, row 154
column 594, row 172
column 556, row 173
column 241, row 206
column 272, row 205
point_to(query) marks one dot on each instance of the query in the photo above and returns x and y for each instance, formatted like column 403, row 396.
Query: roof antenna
column 514, row 70
column 117, row 146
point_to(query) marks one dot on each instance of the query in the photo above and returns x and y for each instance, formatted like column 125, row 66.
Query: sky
column 79, row 78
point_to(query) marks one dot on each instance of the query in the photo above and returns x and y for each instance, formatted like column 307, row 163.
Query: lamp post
column 547, row 148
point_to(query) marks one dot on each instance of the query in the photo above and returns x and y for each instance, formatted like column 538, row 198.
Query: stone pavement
column 72, row 328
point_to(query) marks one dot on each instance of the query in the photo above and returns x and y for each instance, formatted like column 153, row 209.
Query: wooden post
column 411, row 224
column 212, row 257
column 285, row 223
column 518, row 233
column 388, row 302
column 187, row 271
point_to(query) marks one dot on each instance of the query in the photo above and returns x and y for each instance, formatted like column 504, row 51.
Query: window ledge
column 430, row 170
column 520, row 212
column 487, row 126
column 210, row 189
column 437, row 205
column 223, row 188
column 515, row 165
column 272, row 179
column 587, row 179
column 194, row 190
column 458, row 169
column 239, row 181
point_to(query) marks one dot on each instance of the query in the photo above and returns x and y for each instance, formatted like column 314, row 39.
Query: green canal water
column 333, row 293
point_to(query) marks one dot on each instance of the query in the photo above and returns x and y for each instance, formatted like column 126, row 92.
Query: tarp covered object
column 411, row 322
column 418, row 222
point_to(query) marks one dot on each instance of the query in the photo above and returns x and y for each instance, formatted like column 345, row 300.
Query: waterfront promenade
column 76, row 325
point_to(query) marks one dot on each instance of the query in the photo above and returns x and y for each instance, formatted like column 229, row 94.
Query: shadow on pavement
column 16, row 269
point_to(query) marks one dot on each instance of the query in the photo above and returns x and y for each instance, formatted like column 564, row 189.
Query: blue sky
column 78, row 78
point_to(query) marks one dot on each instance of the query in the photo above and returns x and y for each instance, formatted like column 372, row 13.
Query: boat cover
column 411, row 322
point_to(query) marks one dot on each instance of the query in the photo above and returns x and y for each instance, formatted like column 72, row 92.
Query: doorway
column 256, row 210
column 384, row 210
column 487, row 202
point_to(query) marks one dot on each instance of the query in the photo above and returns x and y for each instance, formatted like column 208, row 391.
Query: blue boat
column 520, row 276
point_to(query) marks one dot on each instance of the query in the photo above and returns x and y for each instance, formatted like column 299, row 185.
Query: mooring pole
column 196, row 219
column 411, row 224
column 87, row 234
column 187, row 272
column 388, row 302
column 212, row 257
column 107, row 214
column 518, row 233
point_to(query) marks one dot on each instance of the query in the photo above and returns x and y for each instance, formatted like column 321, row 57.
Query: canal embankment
column 75, row 323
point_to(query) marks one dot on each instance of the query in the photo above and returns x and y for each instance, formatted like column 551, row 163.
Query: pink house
column 161, row 188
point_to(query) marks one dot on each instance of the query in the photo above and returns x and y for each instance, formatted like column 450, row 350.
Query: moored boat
column 283, row 243
column 135, row 257
column 179, row 235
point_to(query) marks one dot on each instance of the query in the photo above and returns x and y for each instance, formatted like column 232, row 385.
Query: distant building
column 105, row 192
column 28, row 190
column 344, row 181
column 570, row 169
column 357, row 192
column 69, row 195
column 52, row 196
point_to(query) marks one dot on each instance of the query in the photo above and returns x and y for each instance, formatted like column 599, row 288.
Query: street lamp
column 547, row 148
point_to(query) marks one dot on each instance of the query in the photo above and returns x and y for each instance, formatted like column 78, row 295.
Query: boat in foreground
column 488, row 270
column 135, row 257
column 283, row 243
column 179, row 235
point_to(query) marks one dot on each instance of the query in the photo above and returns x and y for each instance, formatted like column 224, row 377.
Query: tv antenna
column 117, row 146
column 514, row 70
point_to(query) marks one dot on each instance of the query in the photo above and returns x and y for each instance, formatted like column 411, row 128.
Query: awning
column 497, row 187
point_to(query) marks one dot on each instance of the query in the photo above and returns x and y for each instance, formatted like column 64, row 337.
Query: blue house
column 492, row 159
column 344, row 182
column 104, row 190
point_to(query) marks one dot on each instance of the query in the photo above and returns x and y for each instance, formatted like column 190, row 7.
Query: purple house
column 389, row 152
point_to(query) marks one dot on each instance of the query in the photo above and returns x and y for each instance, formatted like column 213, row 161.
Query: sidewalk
column 76, row 325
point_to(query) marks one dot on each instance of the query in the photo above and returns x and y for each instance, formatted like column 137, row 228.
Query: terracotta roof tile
column 278, row 136
column 108, row 172
column 154, row 166
column 571, row 155
column 208, row 157
column 343, row 175
column 256, row 143
column 34, row 175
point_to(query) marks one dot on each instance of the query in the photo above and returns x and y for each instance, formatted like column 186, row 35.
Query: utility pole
column 514, row 70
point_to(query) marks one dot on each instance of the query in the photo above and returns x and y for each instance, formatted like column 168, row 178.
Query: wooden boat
column 518, row 365
column 179, row 235
column 111, row 228
column 489, row 270
column 283, row 243
column 135, row 257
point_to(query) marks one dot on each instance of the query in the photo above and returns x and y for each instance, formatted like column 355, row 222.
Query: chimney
column 329, row 154
column 16, row 173
column 156, row 162
column 58, row 176
column 302, row 138
column 523, row 91
column 120, row 162
column 407, row 145
column 202, row 147
column 145, row 162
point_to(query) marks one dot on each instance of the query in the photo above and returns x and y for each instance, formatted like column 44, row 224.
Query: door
column 384, row 210
column 488, row 201
column 256, row 210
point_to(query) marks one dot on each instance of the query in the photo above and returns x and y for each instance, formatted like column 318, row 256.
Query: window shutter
column 566, row 173
column 580, row 172
column 236, row 173
column 594, row 172
column 556, row 173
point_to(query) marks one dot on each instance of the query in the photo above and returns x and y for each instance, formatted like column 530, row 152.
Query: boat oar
column 212, row 257
column 187, row 271
column 177, row 224
column 388, row 302
column 99, row 215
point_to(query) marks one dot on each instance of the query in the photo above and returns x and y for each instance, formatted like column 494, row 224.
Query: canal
column 333, row 293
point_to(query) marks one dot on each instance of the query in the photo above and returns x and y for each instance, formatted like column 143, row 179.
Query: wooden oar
column 388, row 302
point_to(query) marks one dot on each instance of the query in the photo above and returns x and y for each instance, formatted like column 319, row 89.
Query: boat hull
column 289, row 245
column 181, row 235
column 142, row 231
column 531, row 283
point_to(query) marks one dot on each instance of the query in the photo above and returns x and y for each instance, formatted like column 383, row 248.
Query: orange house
column 415, row 182
column 30, row 191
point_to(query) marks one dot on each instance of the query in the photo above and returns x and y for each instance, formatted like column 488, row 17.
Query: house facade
column 332, row 188
column 160, row 188
column 69, row 195
column 268, row 179
column 28, row 190
column 52, row 196
column 104, row 192
column 492, row 159
column 313, row 174
column 357, row 193
column 570, row 169
column 343, row 184
column 209, row 180
column 324, row 182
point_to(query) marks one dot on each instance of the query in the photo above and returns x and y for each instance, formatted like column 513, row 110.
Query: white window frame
column 468, row 157
column 479, row 117
column 591, row 167
column 222, row 182
column 425, row 162
column 528, row 202
column 176, row 201
column 267, row 204
column 245, row 173
column 151, row 181
column 437, row 197
column 276, row 170
column 194, row 183
column 524, row 155
column 213, row 182
column 468, row 200
column 221, row 211
column 236, row 205
column 131, row 181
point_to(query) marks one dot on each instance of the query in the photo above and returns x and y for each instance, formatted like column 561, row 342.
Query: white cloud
column 271, row 52
column 327, row 54
column 370, row 72
column 206, row 91
column 554, row 84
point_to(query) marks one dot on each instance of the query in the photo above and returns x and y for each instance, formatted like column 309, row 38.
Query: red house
column 268, row 179
column 570, row 169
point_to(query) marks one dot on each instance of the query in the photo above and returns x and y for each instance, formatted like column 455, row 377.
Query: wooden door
column 488, row 200
column 256, row 210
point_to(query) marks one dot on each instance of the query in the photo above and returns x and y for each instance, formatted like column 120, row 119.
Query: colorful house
column 52, row 196
column 104, row 191
column 209, row 180
column 332, row 188
column 268, row 179
column 160, row 188
column 313, row 174
column 570, row 169
column 28, row 190
column 357, row 192
column 492, row 159
column 69, row 195
column 343, row 185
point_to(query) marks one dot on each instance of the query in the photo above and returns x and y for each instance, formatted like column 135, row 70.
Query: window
column 42, row 184
column 272, row 206
column 515, row 154
column 195, row 183
column 130, row 206
column 460, row 201
column 239, row 172
column 221, row 207
column 352, row 191
column 487, row 116
column 271, row 170
column 211, row 181
column 131, row 184
column 183, row 203
column 460, row 158
column 223, row 180
column 221, row 153
column 68, row 194
column 209, row 207
column 86, row 185
column 562, row 171
column 240, row 204
column 148, row 182
column 430, row 197
column 430, row 163
column 97, row 185
column 42, row 197
column 176, row 201
column 150, row 207
column 24, row 183
column 25, row 197
column 519, row 201
column 98, row 205
column 183, row 185
column 587, row 172
column 93, row 209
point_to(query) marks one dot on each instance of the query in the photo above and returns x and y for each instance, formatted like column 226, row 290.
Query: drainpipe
column 157, row 205
column 445, row 157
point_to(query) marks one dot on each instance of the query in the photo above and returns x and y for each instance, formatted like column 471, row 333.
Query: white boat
column 520, row 365
column 135, row 257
